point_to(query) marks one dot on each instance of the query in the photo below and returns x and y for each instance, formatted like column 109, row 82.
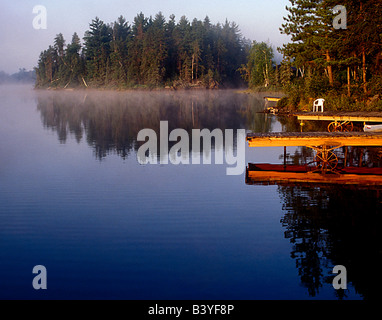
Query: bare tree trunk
column 363, row 56
column 329, row 68
column 83, row 80
column 378, row 60
column 192, row 67
column 349, row 93
column 364, row 69
column 355, row 70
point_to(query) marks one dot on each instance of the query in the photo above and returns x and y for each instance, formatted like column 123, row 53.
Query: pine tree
column 154, row 52
column 139, row 29
column 97, row 50
column 171, row 57
column 119, row 51
column 149, row 52
column 182, row 37
column 259, row 69
column 74, row 62
column 308, row 24
column 345, row 57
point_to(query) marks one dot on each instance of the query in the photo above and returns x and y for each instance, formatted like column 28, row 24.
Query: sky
column 21, row 44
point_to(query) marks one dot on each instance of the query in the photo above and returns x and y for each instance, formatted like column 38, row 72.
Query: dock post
column 301, row 124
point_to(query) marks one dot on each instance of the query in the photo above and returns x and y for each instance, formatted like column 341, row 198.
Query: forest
column 341, row 65
column 151, row 52
column 22, row 76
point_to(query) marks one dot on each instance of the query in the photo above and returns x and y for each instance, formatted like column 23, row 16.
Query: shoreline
column 278, row 93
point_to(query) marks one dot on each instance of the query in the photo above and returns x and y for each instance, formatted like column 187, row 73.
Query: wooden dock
column 309, row 139
column 278, row 174
column 272, row 99
column 340, row 116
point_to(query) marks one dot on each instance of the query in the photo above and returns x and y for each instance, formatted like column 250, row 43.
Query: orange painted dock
column 291, row 174
column 340, row 116
column 309, row 139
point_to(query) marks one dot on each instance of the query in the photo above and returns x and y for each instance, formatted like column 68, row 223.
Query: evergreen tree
column 74, row 62
column 150, row 52
column 119, row 50
column 154, row 51
column 139, row 29
column 171, row 57
column 346, row 57
column 259, row 69
column 97, row 51
column 182, row 37
column 307, row 24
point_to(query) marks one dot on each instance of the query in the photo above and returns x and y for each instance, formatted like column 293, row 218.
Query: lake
column 75, row 198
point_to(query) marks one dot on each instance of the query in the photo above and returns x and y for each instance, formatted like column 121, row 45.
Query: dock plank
column 354, row 116
column 279, row 139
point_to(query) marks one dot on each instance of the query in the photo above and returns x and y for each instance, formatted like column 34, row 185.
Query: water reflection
column 326, row 225
column 329, row 223
column 110, row 121
column 330, row 226
column 348, row 156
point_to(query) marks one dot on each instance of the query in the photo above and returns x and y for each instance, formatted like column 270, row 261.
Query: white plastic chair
column 319, row 103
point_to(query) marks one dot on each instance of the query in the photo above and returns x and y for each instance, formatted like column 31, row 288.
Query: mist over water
column 74, row 198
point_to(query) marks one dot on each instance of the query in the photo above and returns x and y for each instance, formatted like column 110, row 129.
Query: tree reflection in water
column 110, row 121
column 332, row 225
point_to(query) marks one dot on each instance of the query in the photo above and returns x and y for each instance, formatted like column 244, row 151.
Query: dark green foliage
column 152, row 52
column 97, row 52
column 344, row 66
column 259, row 70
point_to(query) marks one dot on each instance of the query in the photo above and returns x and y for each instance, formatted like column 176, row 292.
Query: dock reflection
column 330, row 226
column 330, row 219
column 267, row 174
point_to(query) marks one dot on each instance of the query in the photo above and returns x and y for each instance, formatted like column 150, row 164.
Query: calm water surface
column 74, row 198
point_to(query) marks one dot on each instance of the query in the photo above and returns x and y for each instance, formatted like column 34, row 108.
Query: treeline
column 150, row 52
column 262, row 71
column 23, row 76
column 344, row 66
